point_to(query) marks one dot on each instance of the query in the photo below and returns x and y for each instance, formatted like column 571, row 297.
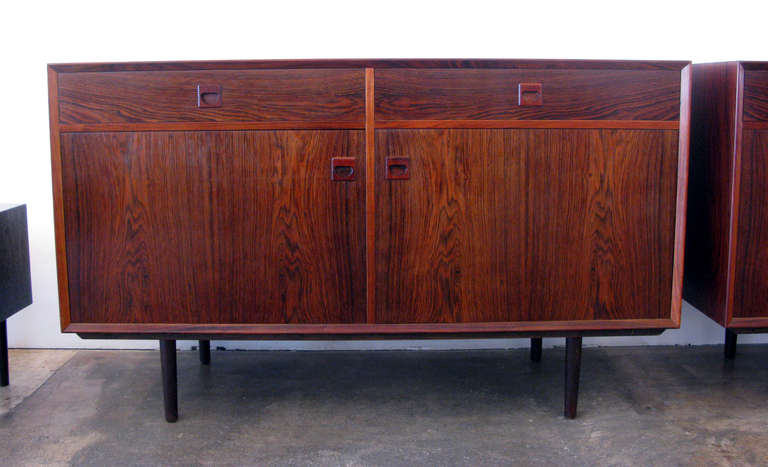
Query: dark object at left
column 15, row 280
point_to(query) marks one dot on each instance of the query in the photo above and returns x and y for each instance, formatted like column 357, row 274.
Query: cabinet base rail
column 170, row 372
column 263, row 335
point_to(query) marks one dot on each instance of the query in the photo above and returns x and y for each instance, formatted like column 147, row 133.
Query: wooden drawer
column 495, row 94
column 756, row 95
column 307, row 95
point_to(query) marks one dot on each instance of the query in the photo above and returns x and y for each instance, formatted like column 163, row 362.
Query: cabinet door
column 751, row 284
column 525, row 225
column 214, row 227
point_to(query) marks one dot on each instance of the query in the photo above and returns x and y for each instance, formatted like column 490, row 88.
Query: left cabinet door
column 214, row 227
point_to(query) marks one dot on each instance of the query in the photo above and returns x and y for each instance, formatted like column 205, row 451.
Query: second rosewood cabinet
column 305, row 199
column 727, row 266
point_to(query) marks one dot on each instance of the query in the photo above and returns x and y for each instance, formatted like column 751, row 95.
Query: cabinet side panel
column 526, row 225
column 751, row 281
column 58, row 196
column 710, row 188
column 214, row 227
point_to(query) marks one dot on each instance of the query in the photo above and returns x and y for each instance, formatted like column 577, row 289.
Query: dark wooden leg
column 170, row 386
column 535, row 349
column 205, row 352
column 730, row 344
column 572, row 371
column 4, row 379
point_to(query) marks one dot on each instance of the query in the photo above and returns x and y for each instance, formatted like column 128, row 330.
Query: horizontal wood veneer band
column 532, row 64
column 752, row 322
column 754, row 125
column 447, row 328
column 386, row 124
column 586, row 124
column 210, row 126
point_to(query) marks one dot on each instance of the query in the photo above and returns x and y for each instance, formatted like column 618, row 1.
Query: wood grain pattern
column 756, row 96
column 755, row 125
column 726, row 276
column 209, row 126
column 681, row 202
column 213, row 227
column 532, row 64
column 748, row 325
column 249, row 95
column 711, row 222
column 482, row 124
column 758, row 66
column 58, row 199
column 444, row 94
column 373, row 331
column 751, row 289
column 370, row 198
column 461, row 241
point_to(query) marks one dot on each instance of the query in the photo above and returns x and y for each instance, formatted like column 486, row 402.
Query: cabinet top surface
column 759, row 66
column 8, row 207
column 532, row 64
column 747, row 65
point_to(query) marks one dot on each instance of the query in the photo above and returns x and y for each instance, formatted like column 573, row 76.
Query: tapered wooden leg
column 535, row 349
column 730, row 344
column 572, row 371
column 4, row 379
column 205, row 352
column 170, row 386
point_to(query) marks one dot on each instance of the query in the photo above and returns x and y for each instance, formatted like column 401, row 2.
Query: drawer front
column 756, row 95
column 493, row 94
column 251, row 95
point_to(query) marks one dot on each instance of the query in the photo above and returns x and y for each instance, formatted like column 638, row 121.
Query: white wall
column 75, row 31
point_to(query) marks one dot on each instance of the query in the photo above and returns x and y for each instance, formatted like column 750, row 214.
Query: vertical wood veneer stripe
column 370, row 202
column 58, row 197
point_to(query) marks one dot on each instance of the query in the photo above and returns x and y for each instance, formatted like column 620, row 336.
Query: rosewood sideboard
column 15, row 278
column 369, row 199
column 727, row 263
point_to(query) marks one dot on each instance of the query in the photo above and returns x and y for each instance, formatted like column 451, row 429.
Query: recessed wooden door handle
column 208, row 95
column 343, row 169
column 529, row 94
column 398, row 168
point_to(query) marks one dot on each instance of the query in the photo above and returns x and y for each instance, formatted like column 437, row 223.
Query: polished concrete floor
column 638, row 406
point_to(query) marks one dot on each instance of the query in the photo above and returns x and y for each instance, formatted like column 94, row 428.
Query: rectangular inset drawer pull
column 343, row 169
column 529, row 94
column 208, row 95
column 398, row 168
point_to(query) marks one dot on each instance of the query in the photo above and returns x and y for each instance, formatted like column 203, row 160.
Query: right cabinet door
column 751, row 288
column 525, row 225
